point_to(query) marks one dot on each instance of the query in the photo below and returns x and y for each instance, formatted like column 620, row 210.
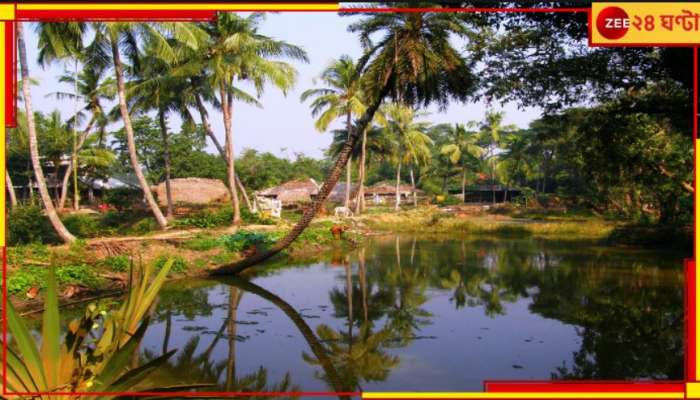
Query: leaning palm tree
column 462, row 148
column 413, row 60
column 412, row 144
column 340, row 98
column 33, row 147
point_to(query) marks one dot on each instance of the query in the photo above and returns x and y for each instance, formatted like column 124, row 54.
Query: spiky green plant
column 96, row 351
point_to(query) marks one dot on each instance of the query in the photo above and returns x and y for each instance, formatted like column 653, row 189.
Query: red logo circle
column 612, row 22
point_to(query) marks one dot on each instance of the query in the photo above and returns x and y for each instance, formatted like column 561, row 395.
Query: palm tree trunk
column 70, row 169
column 33, row 146
column 360, row 198
column 227, row 108
column 210, row 132
column 310, row 212
column 413, row 185
column 166, row 162
column 397, row 205
column 10, row 189
column 74, row 156
column 348, row 168
column 168, row 329
column 464, row 185
column 119, row 74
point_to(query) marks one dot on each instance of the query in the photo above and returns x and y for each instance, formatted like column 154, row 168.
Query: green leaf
column 136, row 375
column 120, row 359
column 26, row 346
column 51, row 331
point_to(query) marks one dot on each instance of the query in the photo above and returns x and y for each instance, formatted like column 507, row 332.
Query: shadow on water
column 395, row 309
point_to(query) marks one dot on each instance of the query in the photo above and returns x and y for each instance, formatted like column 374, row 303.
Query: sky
column 284, row 126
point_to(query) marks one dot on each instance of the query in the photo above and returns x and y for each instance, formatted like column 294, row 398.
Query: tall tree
column 462, row 148
column 236, row 52
column 491, row 130
column 416, row 60
column 124, row 37
column 340, row 98
column 412, row 144
column 33, row 148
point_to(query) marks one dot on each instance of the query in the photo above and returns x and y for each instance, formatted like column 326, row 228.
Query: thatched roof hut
column 386, row 188
column 193, row 191
column 297, row 191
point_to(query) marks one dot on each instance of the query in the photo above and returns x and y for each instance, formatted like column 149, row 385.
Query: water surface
column 429, row 314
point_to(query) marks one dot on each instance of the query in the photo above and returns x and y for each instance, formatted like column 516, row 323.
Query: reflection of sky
column 285, row 122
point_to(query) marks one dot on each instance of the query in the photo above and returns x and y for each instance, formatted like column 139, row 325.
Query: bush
column 21, row 280
column 202, row 243
column 28, row 224
column 207, row 218
column 120, row 263
column 180, row 265
column 243, row 239
column 144, row 226
column 83, row 225
column 122, row 198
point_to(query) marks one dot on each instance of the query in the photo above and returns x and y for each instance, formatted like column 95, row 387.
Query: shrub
column 28, row 224
column 122, row 198
column 81, row 274
column 180, row 265
column 202, row 243
column 82, row 225
column 118, row 263
column 243, row 239
column 207, row 218
column 144, row 226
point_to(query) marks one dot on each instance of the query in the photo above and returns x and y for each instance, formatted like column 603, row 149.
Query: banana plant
column 96, row 350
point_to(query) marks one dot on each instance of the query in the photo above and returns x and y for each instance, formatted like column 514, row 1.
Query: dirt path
column 181, row 234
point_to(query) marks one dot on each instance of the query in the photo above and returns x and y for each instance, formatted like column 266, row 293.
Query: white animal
column 343, row 212
column 264, row 204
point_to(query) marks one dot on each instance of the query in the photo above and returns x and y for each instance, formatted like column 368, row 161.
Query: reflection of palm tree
column 361, row 359
column 317, row 348
column 233, row 302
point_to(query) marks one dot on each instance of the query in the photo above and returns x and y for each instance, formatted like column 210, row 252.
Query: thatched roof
column 193, row 191
column 297, row 191
column 388, row 188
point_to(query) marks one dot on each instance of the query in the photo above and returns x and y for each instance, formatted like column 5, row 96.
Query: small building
column 384, row 191
column 292, row 192
column 192, row 191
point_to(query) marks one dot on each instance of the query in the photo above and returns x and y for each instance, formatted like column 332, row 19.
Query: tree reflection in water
column 627, row 313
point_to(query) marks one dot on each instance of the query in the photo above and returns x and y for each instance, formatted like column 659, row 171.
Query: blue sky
column 285, row 125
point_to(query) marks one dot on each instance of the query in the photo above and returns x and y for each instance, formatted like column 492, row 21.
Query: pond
column 429, row 314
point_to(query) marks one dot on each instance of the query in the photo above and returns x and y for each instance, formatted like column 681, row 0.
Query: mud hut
column 292, row 192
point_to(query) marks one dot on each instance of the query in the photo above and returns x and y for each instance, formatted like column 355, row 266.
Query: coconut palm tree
column 33, row 147
column 462, row 148
column 413, row 60
column 235, row 52
column 93, row 87
column 340, row 98
column 412, row 144
column 491, row 130
column 111, row 39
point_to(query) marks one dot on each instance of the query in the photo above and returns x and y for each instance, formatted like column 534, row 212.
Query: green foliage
column 208, row 218
column 177, row 263
column 82, row 225
column 119, row 263
column 241, row 240
column 19, row 281
column 122, row 198
column 28, row 224
column 202, row 243
column 144, row 226
column 76, row 364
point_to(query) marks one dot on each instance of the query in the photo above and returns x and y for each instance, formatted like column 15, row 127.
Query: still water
column 428, row 314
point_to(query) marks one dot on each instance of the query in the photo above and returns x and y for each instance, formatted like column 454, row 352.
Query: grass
column 434, row 221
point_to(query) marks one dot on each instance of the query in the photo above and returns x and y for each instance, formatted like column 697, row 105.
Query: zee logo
column 612, row 22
